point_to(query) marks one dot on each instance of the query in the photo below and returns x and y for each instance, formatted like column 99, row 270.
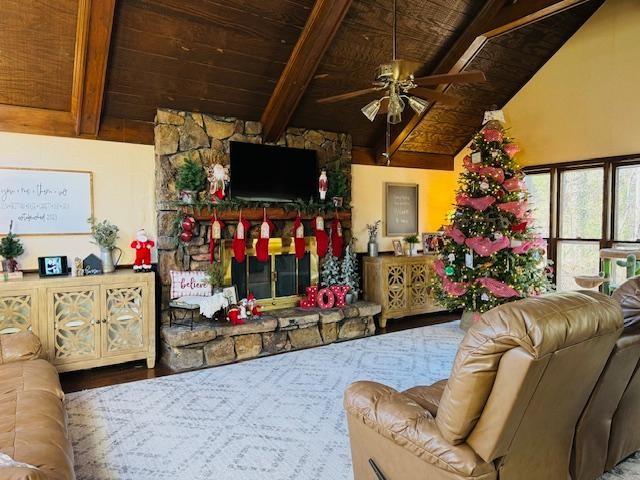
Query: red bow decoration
column 498, row 288
column 485, row 247
column 492, row 135
column 519, row 227
column 480, row 203
column 513, row 184
column 455, row 234
column 216, row 234
column 511, row 149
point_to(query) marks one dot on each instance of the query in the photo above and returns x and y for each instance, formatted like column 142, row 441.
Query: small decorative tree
column 10, row 248
column 215, row 276
column 191, row 180
column 349, row 271
column 330, row 274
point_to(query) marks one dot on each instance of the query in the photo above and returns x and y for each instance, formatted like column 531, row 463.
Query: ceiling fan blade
column 347, row 96
column 463, row 77
column 435, row 96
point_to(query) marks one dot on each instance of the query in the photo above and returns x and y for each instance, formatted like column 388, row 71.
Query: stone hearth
column 217, row 343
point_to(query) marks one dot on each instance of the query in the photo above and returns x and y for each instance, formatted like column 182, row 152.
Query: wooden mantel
column 202, row 214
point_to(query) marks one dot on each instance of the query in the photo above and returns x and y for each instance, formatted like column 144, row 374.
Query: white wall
column 123, row 185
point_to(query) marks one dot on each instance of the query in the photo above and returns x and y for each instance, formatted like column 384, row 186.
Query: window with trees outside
column 581, row 207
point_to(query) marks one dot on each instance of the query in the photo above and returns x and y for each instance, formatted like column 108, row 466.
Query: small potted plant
column 215, row 277
column 338, row 188
column 372, row 246
column 105, row 235
column 191, row 179
column 10, row 249
column 412, row 241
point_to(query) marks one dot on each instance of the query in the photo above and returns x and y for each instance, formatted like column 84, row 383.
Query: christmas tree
column 330, row 274
column 491, row 254
column 349, row 270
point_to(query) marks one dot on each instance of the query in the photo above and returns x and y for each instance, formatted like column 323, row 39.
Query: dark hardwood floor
column 134, row 371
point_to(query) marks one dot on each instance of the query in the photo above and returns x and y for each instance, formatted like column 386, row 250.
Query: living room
column 319, row 239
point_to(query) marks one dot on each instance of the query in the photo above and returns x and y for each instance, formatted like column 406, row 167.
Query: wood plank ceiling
column 226, row 57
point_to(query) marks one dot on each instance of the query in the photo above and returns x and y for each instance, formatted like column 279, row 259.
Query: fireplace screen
column 280, row 281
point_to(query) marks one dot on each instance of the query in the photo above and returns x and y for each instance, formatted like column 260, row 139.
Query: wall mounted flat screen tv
column 272, row 174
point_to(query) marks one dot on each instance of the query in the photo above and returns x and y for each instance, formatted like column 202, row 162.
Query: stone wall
column 217, row 343
column 205, row 138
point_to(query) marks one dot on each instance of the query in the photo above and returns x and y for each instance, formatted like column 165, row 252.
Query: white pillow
column 189, row 284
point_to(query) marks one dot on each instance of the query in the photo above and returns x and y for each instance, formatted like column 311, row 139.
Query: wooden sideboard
column 84, row 322
column 400, row 285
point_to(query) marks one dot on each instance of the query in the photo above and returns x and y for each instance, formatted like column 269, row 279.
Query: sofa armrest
column 399, row 418
column 428, row 397
column 15, row 347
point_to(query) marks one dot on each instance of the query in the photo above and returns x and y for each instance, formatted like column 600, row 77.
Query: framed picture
column 52, row 266
column 398, row 251
column 432, row 241
column 401, row 209
column 231, row 293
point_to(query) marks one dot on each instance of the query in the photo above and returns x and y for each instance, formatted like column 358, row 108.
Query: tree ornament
column 484, row 297
column 218, row 176
column 449, row 270
column 484, row 186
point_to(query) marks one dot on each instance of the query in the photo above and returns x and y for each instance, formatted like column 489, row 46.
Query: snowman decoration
column 218, row 176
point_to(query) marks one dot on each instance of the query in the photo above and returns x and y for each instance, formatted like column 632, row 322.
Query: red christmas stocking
column 298, row 238
column 336, row 237
column 216, row 235
column 262, row 245
column 239, row 243
column 322, row 239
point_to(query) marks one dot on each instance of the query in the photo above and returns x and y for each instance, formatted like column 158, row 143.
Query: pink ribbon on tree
column 493, row 172
column 454, row 288
column 469, row 165
column 498, row 288
column 513, row 184
column 438, row 266
column 455, row 234
column 511, row 149
column 518, row 208
column 492, row 135
column 485, row 247
column 480, row 203
column 528, row 245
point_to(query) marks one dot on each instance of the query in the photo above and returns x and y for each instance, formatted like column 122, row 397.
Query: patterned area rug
column 274, row 418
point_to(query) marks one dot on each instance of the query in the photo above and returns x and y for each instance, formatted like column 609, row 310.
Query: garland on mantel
column 235, row 204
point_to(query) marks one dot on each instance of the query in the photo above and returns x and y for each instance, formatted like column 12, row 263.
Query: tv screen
column 274, row 174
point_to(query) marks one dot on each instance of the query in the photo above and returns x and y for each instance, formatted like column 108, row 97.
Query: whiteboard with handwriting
column 45, row 202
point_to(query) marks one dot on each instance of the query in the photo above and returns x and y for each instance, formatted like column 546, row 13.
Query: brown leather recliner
column 520, row 380
column 603, row 434
column 33, row 427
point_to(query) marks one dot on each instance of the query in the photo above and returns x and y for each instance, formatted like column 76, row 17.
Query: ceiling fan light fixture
column 418, row 105
column 371, row 109
column 396, row 106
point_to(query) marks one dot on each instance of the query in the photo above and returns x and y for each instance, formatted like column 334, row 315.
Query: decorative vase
column 373, row 249
column 217, row 290
column 349, row 297
column 9, row 265
column 106, row 256
column 413, row 249
column 467, row 320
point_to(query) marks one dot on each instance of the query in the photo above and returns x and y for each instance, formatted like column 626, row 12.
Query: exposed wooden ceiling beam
column 96, row 57
column 425, row 161
column 495, row 18
column 314, row 40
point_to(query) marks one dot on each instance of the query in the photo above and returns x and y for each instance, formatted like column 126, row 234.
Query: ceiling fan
column 397, row 82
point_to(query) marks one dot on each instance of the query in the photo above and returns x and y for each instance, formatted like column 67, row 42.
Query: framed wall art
column 401, row 209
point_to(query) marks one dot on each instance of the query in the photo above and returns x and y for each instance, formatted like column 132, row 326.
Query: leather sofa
column 520, row 380
column 33, row 428
column 607, row 431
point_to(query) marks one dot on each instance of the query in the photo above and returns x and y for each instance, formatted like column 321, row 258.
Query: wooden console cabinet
column 400, row 285
column 84, row 322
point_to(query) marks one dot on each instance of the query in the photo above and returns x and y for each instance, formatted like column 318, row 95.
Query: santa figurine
column 142, row 245
column 323, row 184
column 235, row 315
column 253, row 307
column 218, row 176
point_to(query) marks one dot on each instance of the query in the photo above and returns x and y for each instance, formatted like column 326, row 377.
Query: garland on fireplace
column 235, row 204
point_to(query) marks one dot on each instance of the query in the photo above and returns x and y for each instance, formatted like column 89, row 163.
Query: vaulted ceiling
column 102, row 68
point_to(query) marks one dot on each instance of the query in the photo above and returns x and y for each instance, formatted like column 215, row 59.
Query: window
column 583, row 207
column 539, row 186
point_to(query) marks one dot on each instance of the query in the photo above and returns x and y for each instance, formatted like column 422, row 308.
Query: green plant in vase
column 10, row 248
column 191, row 179
column 215, row 277
column 105, row 235
column 413, row 241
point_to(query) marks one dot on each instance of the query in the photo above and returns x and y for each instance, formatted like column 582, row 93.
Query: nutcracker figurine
column 142, row 245
column 323, row 184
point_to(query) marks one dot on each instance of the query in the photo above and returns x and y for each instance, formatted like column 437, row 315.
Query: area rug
column 274, row 418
